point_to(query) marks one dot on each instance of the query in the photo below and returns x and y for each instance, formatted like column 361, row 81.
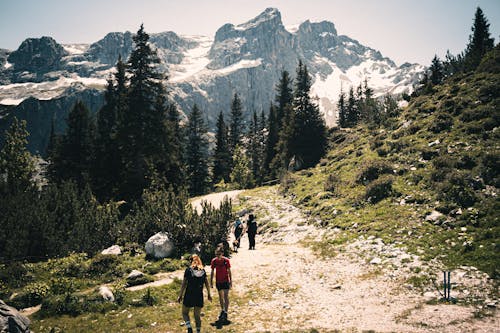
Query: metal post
column 444, row 284
column 449, row 285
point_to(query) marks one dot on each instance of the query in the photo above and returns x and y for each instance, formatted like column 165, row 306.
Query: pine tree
column 342, row 107
column 285, row 125
column 75, row 155
column 309, row 138
column 16, row 163
column 236, row 128
column 254, row 148
column 352, row 109
column 197, row 153
column 436, row 71
column 479, row 41
column 271, row 143
column 143, row 137
column 241, row 174
column 222, row 158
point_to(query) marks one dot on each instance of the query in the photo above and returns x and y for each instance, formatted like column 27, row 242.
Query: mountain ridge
column 246, row 58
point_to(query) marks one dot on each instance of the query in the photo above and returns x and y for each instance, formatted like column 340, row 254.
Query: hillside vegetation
column 428, row 180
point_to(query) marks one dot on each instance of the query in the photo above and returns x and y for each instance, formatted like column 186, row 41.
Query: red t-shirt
column 221, row 265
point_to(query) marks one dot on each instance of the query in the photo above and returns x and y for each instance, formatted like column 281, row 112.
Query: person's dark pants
column 237, row 235
column 251, row 240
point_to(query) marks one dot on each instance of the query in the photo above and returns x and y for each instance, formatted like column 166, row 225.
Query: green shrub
column 489, row 168
column 73, row 265
column 62, row 285
column 33, row 294
column 372, row 169
column 331, row 183
column 104, row 264
column 14, row 274
column 443, row 122
column 68, row 304
column 456, row 188
column 379, row 189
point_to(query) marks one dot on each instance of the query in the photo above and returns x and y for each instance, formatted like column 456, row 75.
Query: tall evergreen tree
column 75, row 154
column 236, row 126
column 255, row 148
column 241, row 174
column 222, row 156
column 309, row 136
column 342, row 109
column 271, row 143
column 285, row 125
column 352, row 109
column 479, row 41
column 197, row 153
column 16, row 163
column 143, row 137
column 436, row 71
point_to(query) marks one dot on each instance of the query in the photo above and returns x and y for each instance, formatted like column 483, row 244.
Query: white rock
column 135, row 274
column 376, row 261
column 112, row 250
column 434, row 216
column 159, row 246
column 106, row 293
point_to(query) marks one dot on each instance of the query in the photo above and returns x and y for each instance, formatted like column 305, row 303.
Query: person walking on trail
column 252, row 231
column 223, row 282
column 191, row 293
column 238, row 231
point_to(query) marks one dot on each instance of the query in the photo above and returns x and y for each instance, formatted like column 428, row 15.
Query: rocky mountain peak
column 323, row 28
column 262, row 37
column 37, row 55
column 108, row 49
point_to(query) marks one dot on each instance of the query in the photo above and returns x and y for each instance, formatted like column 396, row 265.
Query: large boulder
column 159, row 246
column 11, row 321
column 106, row 293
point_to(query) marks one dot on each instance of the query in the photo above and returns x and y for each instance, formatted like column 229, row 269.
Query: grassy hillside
column 427, row 180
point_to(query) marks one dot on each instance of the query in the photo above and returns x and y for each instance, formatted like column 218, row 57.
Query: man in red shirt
column 223, row 281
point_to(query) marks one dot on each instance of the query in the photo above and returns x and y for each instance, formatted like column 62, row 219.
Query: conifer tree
column 352, row 109
column 479, row 41
column 197, row 153
column 75, row 154
column 271, row 143
column 222, row 156
column 16, row 163
column 143, row 137
column 309, row 138
column 436, row 71
column 255, row 148
column 285, row 125
column 342, row 109
column 241, row 174
column 236, row 128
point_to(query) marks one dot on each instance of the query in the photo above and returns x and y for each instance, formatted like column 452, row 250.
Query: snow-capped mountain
column 247, row 58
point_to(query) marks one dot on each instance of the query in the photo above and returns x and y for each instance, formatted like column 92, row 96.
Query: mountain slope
column 428, row 181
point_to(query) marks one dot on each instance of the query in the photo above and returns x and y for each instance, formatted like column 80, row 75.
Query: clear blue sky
column 403, row 30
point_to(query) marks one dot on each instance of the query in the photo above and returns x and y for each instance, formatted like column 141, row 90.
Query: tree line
column 129, row 171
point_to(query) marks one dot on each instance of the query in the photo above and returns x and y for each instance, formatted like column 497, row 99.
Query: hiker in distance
column 252, row 231
column 238, row 231
column 191, row 293
column 223, row 282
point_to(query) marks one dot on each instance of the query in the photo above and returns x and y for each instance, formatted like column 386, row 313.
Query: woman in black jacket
column 191, row 292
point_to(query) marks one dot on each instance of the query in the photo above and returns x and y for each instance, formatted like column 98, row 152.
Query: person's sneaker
column 190, row 330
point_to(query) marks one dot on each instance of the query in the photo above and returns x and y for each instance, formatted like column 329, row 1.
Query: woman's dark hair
column 251, row 217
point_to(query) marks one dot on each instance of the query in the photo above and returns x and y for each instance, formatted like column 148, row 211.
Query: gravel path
column 286, row 286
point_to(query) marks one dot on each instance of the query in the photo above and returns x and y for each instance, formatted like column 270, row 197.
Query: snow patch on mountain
column 194, row 61
column 75, row 49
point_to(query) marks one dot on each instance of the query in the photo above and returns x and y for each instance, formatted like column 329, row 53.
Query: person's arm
column 230, row 277
column 208, row 290
column 212, row 278
column 181, row 293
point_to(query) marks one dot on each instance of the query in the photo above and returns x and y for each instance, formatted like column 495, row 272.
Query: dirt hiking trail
column 286, row 287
